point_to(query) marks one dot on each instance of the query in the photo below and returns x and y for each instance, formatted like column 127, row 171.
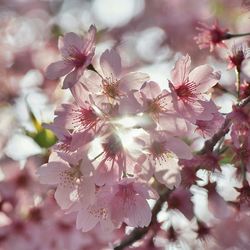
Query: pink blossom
column 244, row 90
column 189, row 89
column 238, row 54
column 70, row 146
column 128, row 203
column 210, row 127
column 216, row 204
column 69, row 180
column 111, row 83
column 77, row 54
column 180, row 199
column 157, row 107
column 163, row 150
column 209, row 37
column 97, row 212
column 240, row 128
column 162, row 145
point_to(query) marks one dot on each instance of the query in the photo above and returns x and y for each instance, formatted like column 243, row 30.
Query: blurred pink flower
column 238, row 54
column 77, row 54
column 209, row 37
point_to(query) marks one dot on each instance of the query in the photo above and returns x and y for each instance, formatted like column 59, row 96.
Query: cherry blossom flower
column 70, row 145
column 189, row 89
column 180, row 199
column 239, row 53
column 111, row 83
column 77, row 54
column 162, row 152
column 244, row 90
column 127, row 202
column 209, row 37
column 210, row 127
column 216, row 204
column 95, row 213
column 68, row 180
column 240, row 128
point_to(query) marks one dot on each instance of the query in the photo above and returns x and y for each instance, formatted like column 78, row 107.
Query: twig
column 229, row 36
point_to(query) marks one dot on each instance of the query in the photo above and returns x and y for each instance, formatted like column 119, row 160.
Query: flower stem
column 229, row 36
column 238, row 83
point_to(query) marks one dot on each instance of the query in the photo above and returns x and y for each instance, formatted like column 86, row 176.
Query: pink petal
column 59, row 131
column 129, row 105
column 86, row 166
column 79, row 139
column 91, row 81
column 63, row 194
column 167, row 172
column 110, row 62
column 139, row 213
column 71, row 78
column 107, row 225
column 79, row 92
column 89, row 40
column 117, row 210
column 173, row 124
column 151, row 89
column 181, row 70
column 181, row 199
column 63, row 116
column 145, row 191
column 85, row 220
column 177, row 146
column 105, row 175
column 50, row 173
column 132, row 81
column 204, row 77
column 58, row 69
column 86, row 191
column 69, row 42
column 218, row 206
column 189, row 111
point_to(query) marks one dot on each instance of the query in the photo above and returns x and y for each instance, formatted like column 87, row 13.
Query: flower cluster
column 122, row 136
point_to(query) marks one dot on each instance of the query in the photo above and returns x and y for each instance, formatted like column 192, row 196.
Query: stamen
column 76, row 57
column 84, row 118
column 159, row 152
column 187, row 91
column 110, row 87
column 64, row 145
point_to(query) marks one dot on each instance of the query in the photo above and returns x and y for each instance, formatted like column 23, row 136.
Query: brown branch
column 138, row 233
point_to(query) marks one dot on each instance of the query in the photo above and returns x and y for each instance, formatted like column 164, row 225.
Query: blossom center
column 186, row 91
column 98, row 212
column 110, row 88
column 159, row 151
column 76, row 57
column 84, row 118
